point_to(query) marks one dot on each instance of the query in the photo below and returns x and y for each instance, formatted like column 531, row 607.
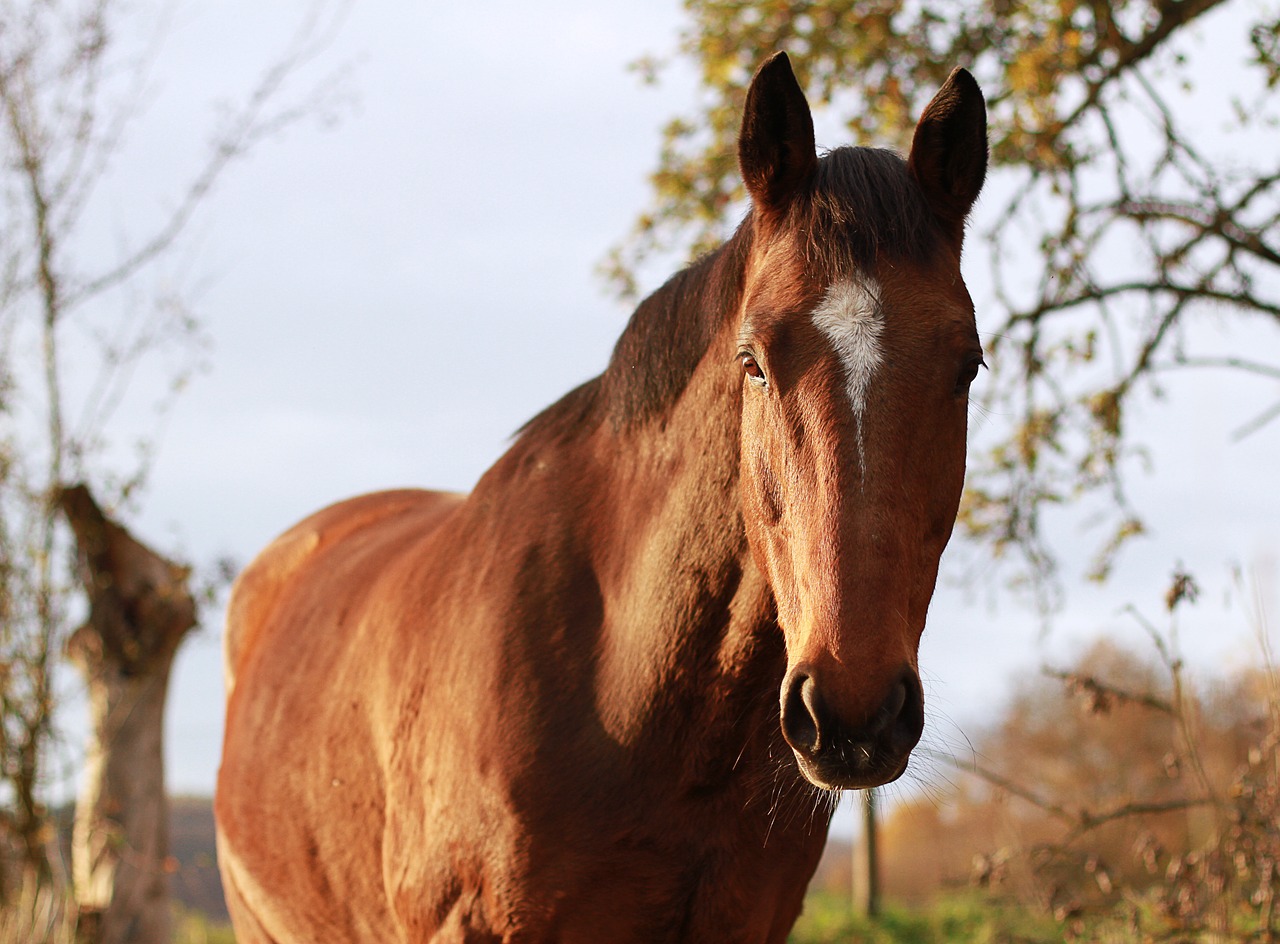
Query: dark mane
column 670, row 332
column 861, row 203
column 659, row 349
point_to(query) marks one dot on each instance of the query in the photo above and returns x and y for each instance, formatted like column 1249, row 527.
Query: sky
column 389, row 296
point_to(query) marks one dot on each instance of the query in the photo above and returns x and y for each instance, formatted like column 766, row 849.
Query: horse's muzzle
column 836, row 754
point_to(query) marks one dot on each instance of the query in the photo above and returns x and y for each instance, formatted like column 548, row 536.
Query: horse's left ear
column 775, row 147
column 949, row 150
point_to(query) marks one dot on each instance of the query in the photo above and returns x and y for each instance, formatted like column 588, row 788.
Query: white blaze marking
column 851, row 318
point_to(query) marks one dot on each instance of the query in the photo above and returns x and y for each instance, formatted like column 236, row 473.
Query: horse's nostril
column 845, row 751
column 890, row 711
column 904, row 725
column 800, row 712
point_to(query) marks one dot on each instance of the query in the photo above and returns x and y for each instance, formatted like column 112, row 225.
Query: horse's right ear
column 775, row 147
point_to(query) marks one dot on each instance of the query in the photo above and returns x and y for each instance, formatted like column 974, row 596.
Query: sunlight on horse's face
column 854, row 409
column 856, row 364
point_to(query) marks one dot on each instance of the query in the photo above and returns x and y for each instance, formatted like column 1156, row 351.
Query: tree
column 140, row 609
column 74, row 74
column 1121, row 214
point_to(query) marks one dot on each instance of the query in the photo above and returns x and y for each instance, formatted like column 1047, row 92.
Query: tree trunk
column 140, row 610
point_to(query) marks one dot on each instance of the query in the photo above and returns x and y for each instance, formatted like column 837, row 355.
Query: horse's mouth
column 850, row 769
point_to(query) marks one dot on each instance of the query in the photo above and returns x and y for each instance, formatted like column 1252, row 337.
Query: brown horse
column 607, row 695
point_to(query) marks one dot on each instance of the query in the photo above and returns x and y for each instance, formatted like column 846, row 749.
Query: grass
column 959, row 919
column 968, row 918
column 192, row 927
column 964, row 918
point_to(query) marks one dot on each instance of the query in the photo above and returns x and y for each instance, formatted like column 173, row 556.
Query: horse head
column 856, row 349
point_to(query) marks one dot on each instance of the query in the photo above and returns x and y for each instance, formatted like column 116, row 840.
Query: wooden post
column 140, row 609
column 866, row 861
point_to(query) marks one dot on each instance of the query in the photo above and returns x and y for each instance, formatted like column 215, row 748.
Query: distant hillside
column 195, row 881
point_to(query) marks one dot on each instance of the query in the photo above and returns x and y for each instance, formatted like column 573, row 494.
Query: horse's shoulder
column 261, row 584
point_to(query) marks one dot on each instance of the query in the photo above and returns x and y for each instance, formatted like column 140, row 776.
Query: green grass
column 961, row 919
column 827, row 919
column 192, row 927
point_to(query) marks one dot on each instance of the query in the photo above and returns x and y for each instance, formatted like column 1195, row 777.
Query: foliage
column 1135, row 197
column 74, row 76
column 1134, row 808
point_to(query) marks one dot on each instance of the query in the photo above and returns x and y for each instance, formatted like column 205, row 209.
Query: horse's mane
column 862, row 203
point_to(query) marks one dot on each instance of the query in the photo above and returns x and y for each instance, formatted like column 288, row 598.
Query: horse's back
column 260, row 587
column 296, row 625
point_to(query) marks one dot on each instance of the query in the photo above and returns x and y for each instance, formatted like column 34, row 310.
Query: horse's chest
column 573, row 878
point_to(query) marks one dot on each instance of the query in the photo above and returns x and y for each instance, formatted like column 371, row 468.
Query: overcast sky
column 391, row 297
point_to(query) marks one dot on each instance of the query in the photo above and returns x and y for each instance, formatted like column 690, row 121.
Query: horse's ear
column 949, row 150
column 775, row 147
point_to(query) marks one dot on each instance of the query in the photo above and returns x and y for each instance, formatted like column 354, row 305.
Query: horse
column 609, row 694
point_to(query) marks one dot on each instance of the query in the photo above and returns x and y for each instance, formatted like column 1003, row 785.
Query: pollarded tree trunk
column 140, row 609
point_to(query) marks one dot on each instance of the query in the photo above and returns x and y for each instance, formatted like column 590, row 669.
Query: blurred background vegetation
column 1134, row 197
column 1112, row 800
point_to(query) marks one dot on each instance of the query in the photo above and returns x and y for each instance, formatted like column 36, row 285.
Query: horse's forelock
column 862, row 203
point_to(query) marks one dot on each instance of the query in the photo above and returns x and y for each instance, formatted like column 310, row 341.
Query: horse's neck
column 636, row 476
column 689, row 642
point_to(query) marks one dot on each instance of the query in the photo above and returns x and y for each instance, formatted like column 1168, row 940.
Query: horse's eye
column 751, row 367
column 967, row 373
